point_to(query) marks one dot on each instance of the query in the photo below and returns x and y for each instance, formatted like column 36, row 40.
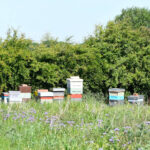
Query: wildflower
column 46, row 113
column 23, row 116
column 62, row 124
column 99, row 122
column 31, row 119
column 8, row 115
column 111, row 140
column 70, row 122
column 104, row 133
column 116, row 129
column 147, row 122
column 127, row 127
column 14, row 118
column 100, row 149
column 32, row 110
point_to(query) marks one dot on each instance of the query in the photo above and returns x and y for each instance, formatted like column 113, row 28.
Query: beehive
column 15, row 97
column 136, row 99
column 58, row 94
column 45, row 97
column 5, row 97
column 75, row 88
column 25, row 92
column 116, row 96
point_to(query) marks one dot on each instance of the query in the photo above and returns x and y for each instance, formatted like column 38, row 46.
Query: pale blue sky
column 61, row 18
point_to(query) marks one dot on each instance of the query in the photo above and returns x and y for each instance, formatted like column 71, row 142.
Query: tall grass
column 90, row 125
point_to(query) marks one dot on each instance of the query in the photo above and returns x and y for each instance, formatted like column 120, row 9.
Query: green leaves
column 117, row 55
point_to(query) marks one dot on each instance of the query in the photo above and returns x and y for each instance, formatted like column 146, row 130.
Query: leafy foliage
column 117, row 55
column 137, row 17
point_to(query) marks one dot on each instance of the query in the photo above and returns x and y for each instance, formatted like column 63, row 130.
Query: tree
column 136, row 17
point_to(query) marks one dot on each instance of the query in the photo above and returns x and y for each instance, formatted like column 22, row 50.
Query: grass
column 68, row 125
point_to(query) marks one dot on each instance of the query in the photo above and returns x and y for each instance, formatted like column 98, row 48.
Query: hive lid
column 74, row 78
column 24, row 85
column 42, row 90
column 45, row 94
column 5, row 93
column 116, row 90
column 136, row 97
column 14, row 92
column 58, row 89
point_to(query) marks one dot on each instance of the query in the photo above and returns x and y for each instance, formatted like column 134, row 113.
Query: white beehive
column 75, row 85
column 15, row 97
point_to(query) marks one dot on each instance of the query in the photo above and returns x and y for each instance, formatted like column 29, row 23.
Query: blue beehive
column 136, row 99
column 116, row 96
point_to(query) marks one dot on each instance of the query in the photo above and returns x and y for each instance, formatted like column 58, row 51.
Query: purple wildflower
column 111, row 140
column 30, row 119
column 127, row 127
column 7, row 115
column 32, row 110
column 116, row 129
column 100, row 149
column 70, row 122
column 46, row 113
column 23, row 116
column 104, row 133
column 99, row 122
column 14, row 118
column 124, row 145
column 147, row 122
column 62, row 124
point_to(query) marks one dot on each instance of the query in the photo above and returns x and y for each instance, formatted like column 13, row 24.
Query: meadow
column 86, row 125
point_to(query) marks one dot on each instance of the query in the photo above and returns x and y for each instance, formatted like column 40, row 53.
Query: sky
column 60, row 18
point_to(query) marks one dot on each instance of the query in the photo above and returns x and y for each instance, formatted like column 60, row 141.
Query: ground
column 83, row 125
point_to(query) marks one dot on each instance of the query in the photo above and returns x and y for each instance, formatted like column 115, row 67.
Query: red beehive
column 42, row 90
column 76, row 95
column 24, row 88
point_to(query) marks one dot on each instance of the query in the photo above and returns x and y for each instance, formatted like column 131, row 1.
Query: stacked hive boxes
column 45, row 96
column 5, row 97
column 136, row 99
column 58, row 94
column 25, row 92
column 116, row 96
column 75, row 88
column 15, row 97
